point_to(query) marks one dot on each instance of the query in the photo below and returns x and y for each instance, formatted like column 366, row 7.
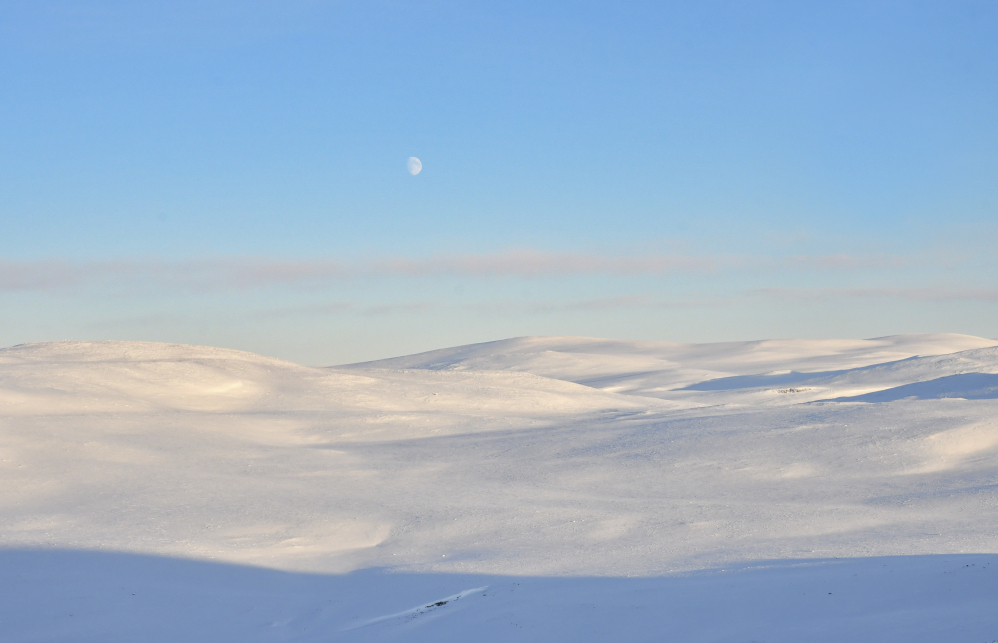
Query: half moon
column 415, row 165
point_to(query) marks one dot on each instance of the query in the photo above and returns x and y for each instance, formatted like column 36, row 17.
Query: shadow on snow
column 68, row 595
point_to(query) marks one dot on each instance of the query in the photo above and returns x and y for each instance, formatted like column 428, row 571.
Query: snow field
column 592, row 473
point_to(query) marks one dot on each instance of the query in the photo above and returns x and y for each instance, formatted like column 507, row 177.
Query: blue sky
column 233, row 173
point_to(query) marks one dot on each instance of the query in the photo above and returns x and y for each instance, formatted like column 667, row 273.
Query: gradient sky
column 234, row 173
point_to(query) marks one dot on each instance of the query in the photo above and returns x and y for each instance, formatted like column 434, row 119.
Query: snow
column 595, row 489
column 95, row 597
column 968, row 386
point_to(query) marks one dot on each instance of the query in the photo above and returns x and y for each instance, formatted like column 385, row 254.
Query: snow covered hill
column 658, row 369
column 561, row 475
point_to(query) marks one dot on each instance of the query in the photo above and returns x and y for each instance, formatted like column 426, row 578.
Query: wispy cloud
column 38, row 275
column 255, row 272
column 345, row 307
column 624, row 302
column 845, row 261
column 532, row 263
column 933, row 293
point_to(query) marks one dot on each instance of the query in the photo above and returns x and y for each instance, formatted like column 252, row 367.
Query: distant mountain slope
column 967, row 386
column 656, row 369
column 845, row 384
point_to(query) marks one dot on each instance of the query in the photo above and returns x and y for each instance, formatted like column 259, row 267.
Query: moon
column 415, row 165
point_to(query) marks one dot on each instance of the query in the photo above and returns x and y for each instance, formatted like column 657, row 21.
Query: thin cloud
column 345, row 307
column 37, row 275
column 490, row 308
column 624, row 302
column 935, row 293
column 527, row 263
column 312, row 310
column 223, row 273
column 846, row 262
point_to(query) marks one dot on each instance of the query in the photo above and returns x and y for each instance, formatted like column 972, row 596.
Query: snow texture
column 530, row 489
